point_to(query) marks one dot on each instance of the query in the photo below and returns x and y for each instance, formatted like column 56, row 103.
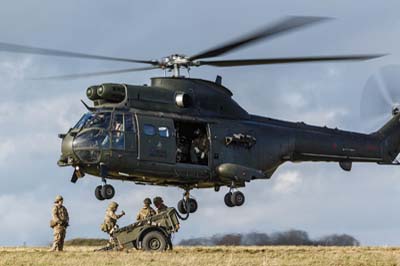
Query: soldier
column 199, row 147
column 159, row 203
column 110, row 222
column 146, row 211
column 59, row 223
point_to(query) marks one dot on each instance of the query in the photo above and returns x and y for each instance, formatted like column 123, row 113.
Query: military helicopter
column 190, row 133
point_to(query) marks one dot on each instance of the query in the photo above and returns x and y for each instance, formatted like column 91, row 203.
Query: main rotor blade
column 15, row 48
column 283, row 26
column 270, row 61
column 92, row 74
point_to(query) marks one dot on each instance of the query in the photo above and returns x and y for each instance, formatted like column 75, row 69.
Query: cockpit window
column 88, row 145
column 94, row 120
column 129, row 125
column 100, row 120
column 118, row 136
column 83, row 120
column 118, row 123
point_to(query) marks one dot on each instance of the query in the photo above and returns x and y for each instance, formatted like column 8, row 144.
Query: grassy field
column 82, row 256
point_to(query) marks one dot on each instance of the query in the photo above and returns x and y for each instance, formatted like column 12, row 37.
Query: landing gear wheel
column 237, row 198
column 154, row 241
column 181, row 206
column 228, row 199
column 192, row 206
column 107, row 191
column 97, row 193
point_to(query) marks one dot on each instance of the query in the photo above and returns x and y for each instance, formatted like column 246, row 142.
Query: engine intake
column 91, row 93
column 183, row 100
column 109, row 92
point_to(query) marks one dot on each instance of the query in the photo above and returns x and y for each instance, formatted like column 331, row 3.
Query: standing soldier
column 59, row 222
column 146, row 211
column 110, row 222
column 159, row 203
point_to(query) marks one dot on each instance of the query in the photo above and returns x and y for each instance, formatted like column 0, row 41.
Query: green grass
column 82, row 256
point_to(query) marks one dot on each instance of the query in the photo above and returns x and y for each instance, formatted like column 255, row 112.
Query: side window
column 149, row 130
column 163, row 132
column 129, row 123
column 118, row 123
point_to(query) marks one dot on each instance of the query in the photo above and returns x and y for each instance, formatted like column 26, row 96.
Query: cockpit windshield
column 94, row 120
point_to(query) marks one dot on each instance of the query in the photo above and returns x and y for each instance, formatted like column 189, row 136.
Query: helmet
column 113, row 205
column 158, row 200
column 58, row 198
column 147, row 201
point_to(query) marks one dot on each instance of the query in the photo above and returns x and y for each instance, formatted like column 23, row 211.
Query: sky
column 317, row 197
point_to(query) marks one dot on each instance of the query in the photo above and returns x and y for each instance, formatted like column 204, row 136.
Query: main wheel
column 107, row 191
column 237, row 198
column 154, row 241
column 97, row 193
column 192, row 205
column 181, row 206
column 228, row 199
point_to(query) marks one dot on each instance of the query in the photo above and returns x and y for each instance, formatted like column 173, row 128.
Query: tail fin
column 389, row 136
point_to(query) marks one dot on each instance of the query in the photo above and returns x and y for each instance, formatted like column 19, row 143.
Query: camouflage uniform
column 59, row 223
column 146, row 211
column 110, row 222
column 199, row 148
column 159, row 203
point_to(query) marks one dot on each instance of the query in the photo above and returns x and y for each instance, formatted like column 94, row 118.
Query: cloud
column 294, row 100
column 321, row 117
column 15, row 69
column 23, row 219
column 7, row 148
column 286, row 182
column 30, row 129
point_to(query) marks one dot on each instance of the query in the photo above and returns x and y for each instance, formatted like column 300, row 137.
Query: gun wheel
column 154, row 241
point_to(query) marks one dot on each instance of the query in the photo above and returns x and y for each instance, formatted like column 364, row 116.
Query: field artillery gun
column 150, row 234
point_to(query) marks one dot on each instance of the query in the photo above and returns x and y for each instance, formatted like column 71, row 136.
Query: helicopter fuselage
column 190, row 133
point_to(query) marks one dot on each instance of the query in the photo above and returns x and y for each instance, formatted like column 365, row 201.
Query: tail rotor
column 381, row 95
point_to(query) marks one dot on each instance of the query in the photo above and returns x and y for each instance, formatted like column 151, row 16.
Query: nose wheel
column 233, row 199
column 103, row 192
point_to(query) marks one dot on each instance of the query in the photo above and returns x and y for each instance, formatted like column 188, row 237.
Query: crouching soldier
column 147, row 211
column 110, row 223
column 59, row 222
column 159, row 203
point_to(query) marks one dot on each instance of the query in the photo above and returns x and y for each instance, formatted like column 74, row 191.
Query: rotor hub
column 175, row 62
column 395, row 109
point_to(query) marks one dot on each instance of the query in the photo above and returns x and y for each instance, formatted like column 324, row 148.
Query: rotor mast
column 176, row 72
